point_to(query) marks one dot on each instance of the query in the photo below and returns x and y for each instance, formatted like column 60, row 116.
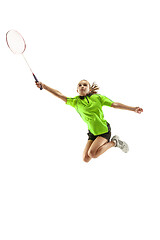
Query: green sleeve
column 106, row 101
column 71, row 101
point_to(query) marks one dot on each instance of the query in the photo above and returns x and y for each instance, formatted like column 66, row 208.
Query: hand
column 138, row 110
column 39, row 84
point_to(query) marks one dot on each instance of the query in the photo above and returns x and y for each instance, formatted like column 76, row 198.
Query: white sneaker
column 120, row 144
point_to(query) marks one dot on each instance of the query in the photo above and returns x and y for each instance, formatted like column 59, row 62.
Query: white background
column 46, row 190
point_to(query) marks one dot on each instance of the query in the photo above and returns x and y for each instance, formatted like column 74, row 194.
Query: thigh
column 97, row 143
column 87, row 147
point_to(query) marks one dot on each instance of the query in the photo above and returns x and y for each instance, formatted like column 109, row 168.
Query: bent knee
column 91, row 154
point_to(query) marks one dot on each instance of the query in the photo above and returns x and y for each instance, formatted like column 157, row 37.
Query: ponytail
column 94, row 88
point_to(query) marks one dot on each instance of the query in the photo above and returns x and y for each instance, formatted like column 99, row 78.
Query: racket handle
column 36, row 80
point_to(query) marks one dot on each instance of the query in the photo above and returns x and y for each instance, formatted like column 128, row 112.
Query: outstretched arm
column 125, row 107
column 51, row 90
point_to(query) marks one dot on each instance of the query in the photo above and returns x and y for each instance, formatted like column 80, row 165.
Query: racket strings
column 17, row 45
column 15, row 42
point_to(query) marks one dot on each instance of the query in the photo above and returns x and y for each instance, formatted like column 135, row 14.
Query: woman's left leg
column 99, row 146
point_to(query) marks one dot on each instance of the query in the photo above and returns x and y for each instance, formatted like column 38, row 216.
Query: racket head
column 15, row 42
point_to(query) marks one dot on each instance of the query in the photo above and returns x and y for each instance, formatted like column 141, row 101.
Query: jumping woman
column 89, row 106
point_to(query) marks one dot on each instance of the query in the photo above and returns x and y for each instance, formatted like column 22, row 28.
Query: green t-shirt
column 90, row 110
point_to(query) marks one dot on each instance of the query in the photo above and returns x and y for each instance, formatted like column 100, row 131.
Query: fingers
column 139, row 110
column 39, row 84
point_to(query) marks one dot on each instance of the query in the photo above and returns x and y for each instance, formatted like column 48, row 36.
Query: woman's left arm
column 122, row 106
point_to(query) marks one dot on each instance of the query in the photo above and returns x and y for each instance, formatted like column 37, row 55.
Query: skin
column 93, row 149
column 83, row 89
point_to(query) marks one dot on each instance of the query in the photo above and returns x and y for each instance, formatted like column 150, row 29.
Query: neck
column 88, row 94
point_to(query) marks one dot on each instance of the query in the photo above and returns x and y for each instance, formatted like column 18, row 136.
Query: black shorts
column 106, row 135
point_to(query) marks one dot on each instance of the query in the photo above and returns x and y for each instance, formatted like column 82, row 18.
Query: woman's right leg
column 86, row 157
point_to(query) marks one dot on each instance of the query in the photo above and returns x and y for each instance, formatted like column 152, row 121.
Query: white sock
column 115, row 141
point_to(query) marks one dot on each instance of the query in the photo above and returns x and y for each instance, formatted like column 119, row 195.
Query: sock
column 115, row 141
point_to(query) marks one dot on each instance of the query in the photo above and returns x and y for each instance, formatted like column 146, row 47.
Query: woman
column 89, row 106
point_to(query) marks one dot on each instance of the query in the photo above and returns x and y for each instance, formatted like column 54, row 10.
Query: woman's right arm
column 51, row 90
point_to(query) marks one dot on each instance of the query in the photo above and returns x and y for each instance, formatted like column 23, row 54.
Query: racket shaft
column 27, row 63
column 31, row 71
column 35, row 77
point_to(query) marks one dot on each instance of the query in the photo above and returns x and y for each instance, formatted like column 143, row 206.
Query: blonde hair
column 94, row 87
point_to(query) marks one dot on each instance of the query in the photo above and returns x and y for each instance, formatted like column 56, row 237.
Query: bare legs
column 95, row 148
column 103, row 148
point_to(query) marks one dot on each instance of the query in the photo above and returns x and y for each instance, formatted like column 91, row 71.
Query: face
column 83, row 88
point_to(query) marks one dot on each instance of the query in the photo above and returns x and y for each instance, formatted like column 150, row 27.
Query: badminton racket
column 17, row 45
